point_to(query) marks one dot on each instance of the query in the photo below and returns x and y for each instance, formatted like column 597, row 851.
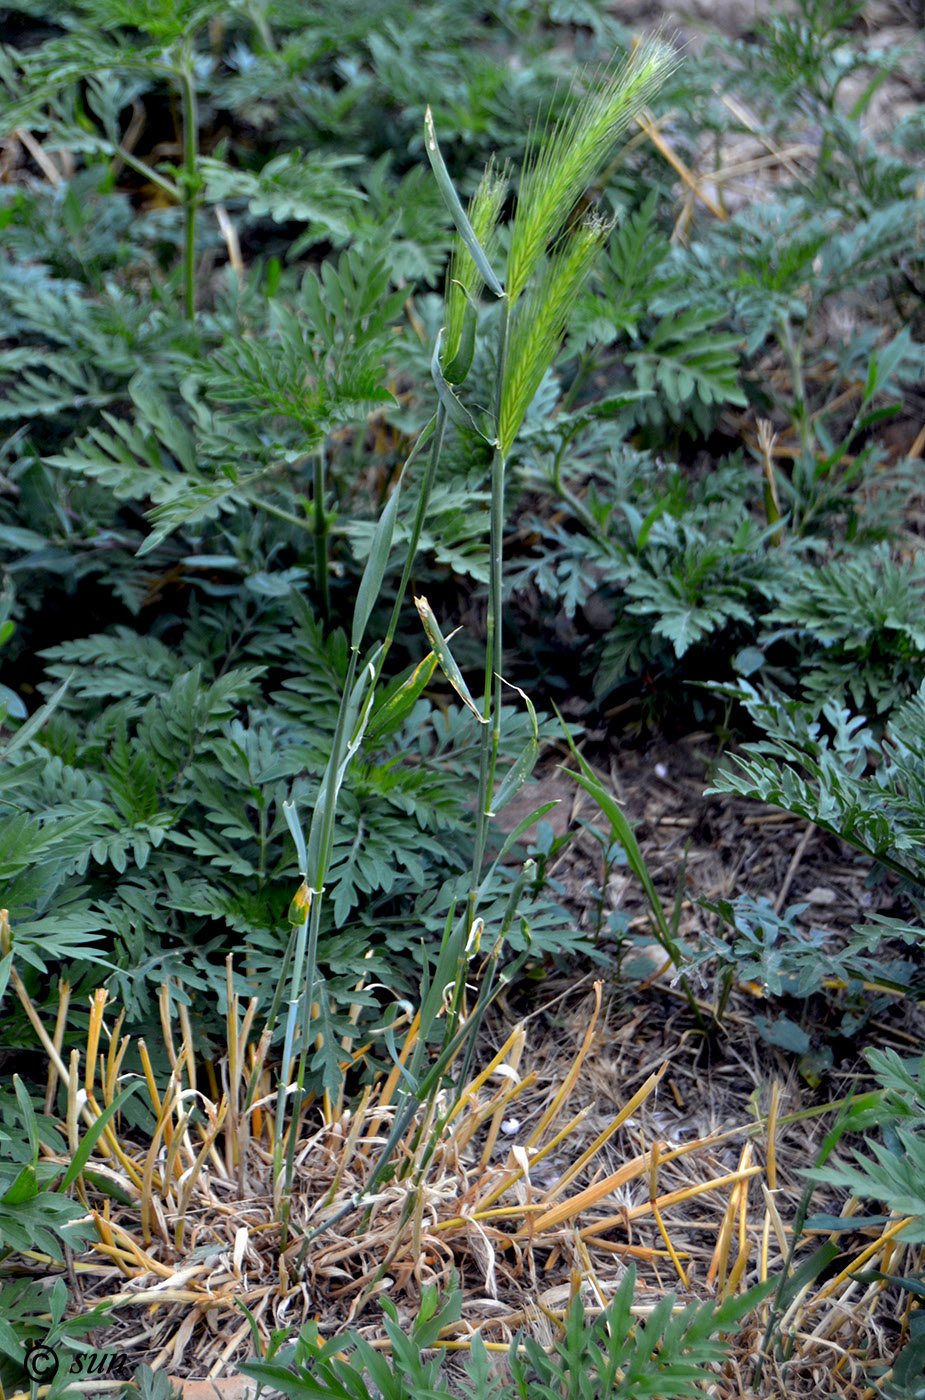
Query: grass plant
column 466, row 1192
column 546, row 199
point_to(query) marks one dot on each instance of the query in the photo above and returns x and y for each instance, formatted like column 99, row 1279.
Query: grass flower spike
column 562, row 166
column 539, row 324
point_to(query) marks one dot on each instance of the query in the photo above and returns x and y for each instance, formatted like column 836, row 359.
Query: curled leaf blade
column 445, row 658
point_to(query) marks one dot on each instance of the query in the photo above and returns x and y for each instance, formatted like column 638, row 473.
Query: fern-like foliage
column 890, row 1169
column 860, row 620
column 683, row 359
column 830, row 768
column 147, row 815
column 612, row 1357
column 321, row 363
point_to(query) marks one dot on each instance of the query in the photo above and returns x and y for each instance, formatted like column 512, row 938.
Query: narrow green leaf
column 531, row 711
column 24, row 1188
column 456, row 368
column 34, row 724
column 290, row 812
column 623, row 832
column 108, row 1187
column 808, row 1271
column 28, row 1113
column 455, row 410
column 457, row 212
column 92, row 1136
column 376, row 565
column 525, row 825
column 515, row 778
column 401, row 701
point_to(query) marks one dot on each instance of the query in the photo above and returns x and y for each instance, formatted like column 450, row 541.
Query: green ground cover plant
column 313, row 344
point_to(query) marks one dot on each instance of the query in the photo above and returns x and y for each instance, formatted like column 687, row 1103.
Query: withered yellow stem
column 147, row 1181
column 744, row 1161
column 141, row 1256
column 37, row 1257
column 610, row 1222
column 566, row 1179
column 886, row 1263
column 688, row 1192
column 417, row 1231
column 163, row 1002
column 384, row 1099
column 258, row 1055
column 113, row 1071
column 195, row 1170
column 173, row 1152
column 349, row 1147
column 637, row 1251
column 64, row 997
column 763, row 1261
column 653, row 1192
column 587, row 1264
column 738, row 1269
column 872, row 1249
column 646, row 121
column 156, row 1297
column 247, row 1024
column 149, row 1078
column 570, row 1079
column 592, row 1194
column 773, row 1113
column 468, row 1125
column 37, row 1026
column 626, row 1173
column 653, row 1171
column 110, row 1146
column 720, row 1260
column 234, row 1067
column 97, row 1007
column 175, row 1090
column 186, row 1049
column 208, row 1136
column 495, row 1213
column 102, row 1224
column 213, row 1082
column 122, row 1257
column 515, row 1173
column 73, row 1141
column 420, row 1129
column 668, row 1245
column 107, row 1245
column 495, row 1109
column 780, row 1233
column 475, row 1084
column 738, row 1200
column 517, row 1049
column 114, row 1058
